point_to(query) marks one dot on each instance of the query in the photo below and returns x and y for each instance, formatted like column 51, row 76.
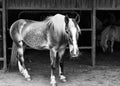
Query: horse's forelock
column 76, row 25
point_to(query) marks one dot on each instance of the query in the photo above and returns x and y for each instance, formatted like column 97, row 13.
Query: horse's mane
column 56, row 26
column 47, row 19
column 56, row 23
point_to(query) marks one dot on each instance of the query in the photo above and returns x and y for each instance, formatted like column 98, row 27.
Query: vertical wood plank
column 4, row 34
column 49, row 4
column 93, row 16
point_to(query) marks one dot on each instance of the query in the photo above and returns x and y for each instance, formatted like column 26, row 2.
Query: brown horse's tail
column 15, row 34
column 13, row 60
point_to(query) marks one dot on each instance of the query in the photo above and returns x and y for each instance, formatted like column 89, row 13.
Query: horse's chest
column 35, row 39
column 57, row 39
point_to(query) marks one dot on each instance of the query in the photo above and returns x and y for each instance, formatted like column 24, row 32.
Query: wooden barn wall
column 41, row 4
column 108, row 3
column 49, row 3
column 1, row 36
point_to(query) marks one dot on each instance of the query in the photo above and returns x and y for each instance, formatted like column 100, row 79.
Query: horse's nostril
column 72, row 54
column 76, row 54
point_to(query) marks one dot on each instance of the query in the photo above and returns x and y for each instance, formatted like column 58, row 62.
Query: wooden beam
column 82, row 47
column 93, row 18
column 85, row 47
column 1, row 9
column 86, row 29
column 1, row 59
column 29, row 8
column 103, row 8
column 4, row 34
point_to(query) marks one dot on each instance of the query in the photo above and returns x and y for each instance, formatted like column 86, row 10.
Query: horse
column 108, row 36
column 54, row 33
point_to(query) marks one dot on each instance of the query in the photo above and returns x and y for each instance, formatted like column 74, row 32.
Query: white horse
column 54, row 34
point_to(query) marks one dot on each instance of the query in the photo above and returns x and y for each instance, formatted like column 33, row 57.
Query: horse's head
column 72, row 30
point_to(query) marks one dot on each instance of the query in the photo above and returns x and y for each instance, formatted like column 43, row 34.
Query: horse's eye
column 70, row 36
column 66, row 30
column 70, row 40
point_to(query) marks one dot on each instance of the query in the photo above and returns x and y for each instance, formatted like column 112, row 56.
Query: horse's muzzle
column 77, row 54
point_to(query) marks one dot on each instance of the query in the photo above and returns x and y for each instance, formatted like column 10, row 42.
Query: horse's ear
column 66, row 20
column 77, row 18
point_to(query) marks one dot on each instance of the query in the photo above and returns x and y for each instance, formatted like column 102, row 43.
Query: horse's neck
column 57, row 37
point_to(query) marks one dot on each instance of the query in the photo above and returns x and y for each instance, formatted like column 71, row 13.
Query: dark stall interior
column 103, row 19
column 41, row 15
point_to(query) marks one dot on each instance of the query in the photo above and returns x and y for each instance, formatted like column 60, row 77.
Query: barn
column 93, row 14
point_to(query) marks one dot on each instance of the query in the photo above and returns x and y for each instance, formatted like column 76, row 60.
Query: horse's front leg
column 61, row 66
column 112, row 43
column 21, row 64
column 53, row 53
column 105, row 43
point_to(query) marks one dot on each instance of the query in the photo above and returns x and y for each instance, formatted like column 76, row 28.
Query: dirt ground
column 79, row 72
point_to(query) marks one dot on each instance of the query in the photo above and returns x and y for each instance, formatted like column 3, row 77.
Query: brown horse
column 110, row 33
column 54, row 34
